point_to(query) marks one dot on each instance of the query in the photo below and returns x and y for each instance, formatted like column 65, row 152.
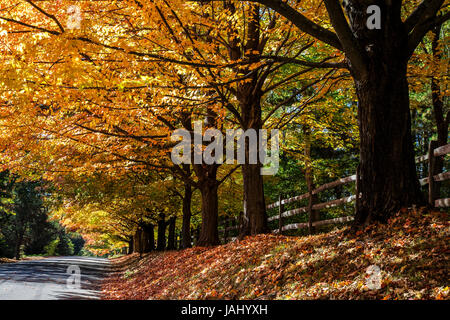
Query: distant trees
column 24, row 225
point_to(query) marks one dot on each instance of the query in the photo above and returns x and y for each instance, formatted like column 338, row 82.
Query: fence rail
column 304, row 225
column 430, row 157
column 433, row 153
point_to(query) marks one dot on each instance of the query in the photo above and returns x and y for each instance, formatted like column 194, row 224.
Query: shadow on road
column 46, row 279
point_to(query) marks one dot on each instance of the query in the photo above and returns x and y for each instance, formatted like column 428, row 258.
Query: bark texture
column 171, row 241
column 148, row 238
column 161, row 241
column 209, row 233
column 387, row 171
column 186, row 226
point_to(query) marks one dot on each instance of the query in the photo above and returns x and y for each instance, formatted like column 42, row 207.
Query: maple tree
column 248, row 41
column 378, row 62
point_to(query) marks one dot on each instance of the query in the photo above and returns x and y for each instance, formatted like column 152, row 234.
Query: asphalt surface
column 53, row 279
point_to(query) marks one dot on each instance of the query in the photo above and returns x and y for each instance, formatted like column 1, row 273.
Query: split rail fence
column 431, row 180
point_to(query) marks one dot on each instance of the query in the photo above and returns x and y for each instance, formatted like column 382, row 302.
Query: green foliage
column 24, row 225
column 65, row 246
column 50, row 249
column 78, row 243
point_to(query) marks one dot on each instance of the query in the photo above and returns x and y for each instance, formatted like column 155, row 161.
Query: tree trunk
column 209, row 234
column 161, row 242
column 186, row 227
column 137, row 238
column 208, row 185
column 197, row 234
column 131, row 245
column 255, row 215
column 171, row 241
column 378, row 60
column 309, row 177
column 388, row 179
column 19, row 231
column 179, row 240
column 225, row 229
column 18, row 245
column 148, row 238
column 249, row 95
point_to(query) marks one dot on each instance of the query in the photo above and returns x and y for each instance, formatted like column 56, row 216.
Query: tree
column 377, row 59
column 65, row 246
column 24, row 223
column 241, row 49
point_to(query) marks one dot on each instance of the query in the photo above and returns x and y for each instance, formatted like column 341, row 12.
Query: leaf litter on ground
column 411, row 251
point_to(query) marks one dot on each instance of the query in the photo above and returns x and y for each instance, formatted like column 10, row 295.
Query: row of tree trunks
column 387, row 177
column 143, row 241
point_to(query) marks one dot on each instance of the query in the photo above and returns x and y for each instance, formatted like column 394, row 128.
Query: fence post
column 280, row 214
column 431, row 168
column 312, row 198
column 310, row 209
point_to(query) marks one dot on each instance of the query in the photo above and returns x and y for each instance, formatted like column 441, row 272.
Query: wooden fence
column 433, row 153
column 431, row 180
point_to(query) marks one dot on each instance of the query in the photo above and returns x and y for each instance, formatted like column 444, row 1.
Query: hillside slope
column 411, row 252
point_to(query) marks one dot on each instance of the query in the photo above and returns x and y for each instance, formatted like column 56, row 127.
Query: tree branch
column 346, row 37
column 303, row 23
column 47, row 15
column 322, row 64
column 417, row 14
column 421, row 21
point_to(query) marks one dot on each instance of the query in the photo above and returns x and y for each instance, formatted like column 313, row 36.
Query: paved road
column 48, row 279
